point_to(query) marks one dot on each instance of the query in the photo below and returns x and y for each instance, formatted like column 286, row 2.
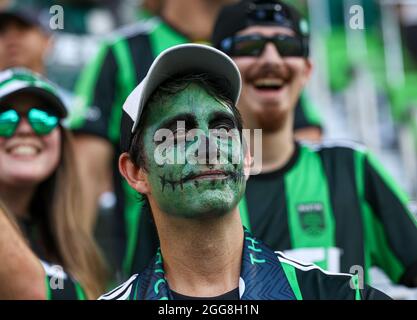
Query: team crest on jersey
column 311, row 217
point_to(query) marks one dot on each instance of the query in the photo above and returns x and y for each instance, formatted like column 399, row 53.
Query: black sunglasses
column 254, row 45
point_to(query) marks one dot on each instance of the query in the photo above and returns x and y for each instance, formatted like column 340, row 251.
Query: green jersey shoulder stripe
column 126, row 80
column 302, row 267
column 303, row 193
column 401, row 195
column 377, row 248
column 80, row 291
column 292, row 279
column 305, row 266
column 48, row 288
column 163, row 37
column 84, row 89
column 244, row 214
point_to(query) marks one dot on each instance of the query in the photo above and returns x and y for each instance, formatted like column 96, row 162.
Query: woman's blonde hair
column 5, row 212
column 58, row 205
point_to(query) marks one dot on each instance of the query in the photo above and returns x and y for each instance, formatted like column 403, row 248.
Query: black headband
column 236, row 17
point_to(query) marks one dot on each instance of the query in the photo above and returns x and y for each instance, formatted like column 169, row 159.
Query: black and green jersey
column 120, row 65
column 335, row 206
column 264, row 275
column 310, row 282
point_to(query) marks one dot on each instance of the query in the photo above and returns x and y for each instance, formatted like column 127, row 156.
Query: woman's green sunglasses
column 42, row 122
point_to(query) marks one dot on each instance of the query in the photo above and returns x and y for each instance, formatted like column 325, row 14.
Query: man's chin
column 272, row 117
column 202, row 211
column 272, row 124
column 15, row 62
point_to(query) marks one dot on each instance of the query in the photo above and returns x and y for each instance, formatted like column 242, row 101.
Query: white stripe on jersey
column 303, row 266
column 134, row 29
column 119, row 292
column 126, row 295
column 55, row 271
column 326, row 144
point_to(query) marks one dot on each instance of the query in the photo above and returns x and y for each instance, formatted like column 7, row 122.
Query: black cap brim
column 32, row 21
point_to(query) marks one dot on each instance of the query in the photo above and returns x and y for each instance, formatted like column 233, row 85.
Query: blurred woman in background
column 39, row 187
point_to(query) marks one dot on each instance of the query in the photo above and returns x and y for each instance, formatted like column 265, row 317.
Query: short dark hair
column 214, row 86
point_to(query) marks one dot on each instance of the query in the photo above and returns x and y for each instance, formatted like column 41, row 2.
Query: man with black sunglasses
column 332, row 204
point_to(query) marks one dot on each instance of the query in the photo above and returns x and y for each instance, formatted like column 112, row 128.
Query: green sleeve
column 309, row 282
column 390, row 228
column 87, row 87
column 102, row 89
column 48, row 294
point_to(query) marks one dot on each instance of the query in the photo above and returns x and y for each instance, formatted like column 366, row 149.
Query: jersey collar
column 262, row 276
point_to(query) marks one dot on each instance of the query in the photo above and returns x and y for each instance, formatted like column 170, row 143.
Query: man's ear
column 247, row 163
column 48, row 44
column 136, row 177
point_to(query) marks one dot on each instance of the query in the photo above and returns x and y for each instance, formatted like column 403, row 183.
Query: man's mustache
column 269, row 71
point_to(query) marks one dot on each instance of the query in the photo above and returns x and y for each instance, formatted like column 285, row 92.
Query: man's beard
column 271, row 122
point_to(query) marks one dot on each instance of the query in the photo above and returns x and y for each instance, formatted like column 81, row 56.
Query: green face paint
column 194, row 185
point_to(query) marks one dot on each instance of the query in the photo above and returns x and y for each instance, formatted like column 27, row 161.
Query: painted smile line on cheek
column 233, row 176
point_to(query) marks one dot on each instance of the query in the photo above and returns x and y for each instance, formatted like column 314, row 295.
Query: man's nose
column 270, row 54
column 208, row 152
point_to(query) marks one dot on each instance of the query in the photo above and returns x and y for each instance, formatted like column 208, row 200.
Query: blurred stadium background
column 364, row 83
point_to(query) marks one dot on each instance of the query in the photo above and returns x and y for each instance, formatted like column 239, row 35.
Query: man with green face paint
column 178, row 125
column 119, row 66
column 183, row 188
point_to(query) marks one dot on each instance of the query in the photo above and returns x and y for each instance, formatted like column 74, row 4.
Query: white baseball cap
column 178, row 60
column 19, row 80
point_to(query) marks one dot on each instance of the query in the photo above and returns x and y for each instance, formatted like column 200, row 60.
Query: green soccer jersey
column 120, row 65
column 264, row 275
column 335, row 206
